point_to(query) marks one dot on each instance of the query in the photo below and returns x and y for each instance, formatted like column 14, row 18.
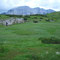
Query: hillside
column 51, row 16
column 55, row 16
column 23, row 41
column 36, row 39
column 37, row 17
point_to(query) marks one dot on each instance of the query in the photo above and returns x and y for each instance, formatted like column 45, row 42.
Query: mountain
column 25, row 10
column 3, row 10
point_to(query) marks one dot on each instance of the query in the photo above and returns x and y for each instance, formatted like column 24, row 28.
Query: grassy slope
column 55, row 16
column 21, row 41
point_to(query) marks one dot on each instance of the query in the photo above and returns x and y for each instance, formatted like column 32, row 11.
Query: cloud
column 7, row 4
column 47, row 4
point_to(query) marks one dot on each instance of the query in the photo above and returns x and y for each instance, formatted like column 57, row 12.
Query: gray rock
column 58, row 53
column 12, row 21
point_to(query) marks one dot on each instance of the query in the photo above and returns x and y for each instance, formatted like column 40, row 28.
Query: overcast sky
column 47, row 4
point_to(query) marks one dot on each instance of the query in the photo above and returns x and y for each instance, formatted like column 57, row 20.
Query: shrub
column 3, row 17
column 41, row 18
column 35, row 17
column 35, row 21
column 51, row 40
column 48, row 20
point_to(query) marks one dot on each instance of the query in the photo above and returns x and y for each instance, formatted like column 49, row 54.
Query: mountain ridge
column 26, row 10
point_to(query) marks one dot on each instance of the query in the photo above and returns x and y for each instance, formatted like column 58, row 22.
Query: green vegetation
column 55, row 16
column 51, row 40
column 3, row 17
column 24, row 41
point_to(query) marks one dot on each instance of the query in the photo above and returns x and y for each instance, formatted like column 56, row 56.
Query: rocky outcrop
column 12, row 21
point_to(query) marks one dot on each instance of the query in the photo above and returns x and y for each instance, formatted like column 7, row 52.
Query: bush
column 41, row 18
column 48, row 20
column 35, row 21
column 51, row 40
column 35, row 17
column 3, row 17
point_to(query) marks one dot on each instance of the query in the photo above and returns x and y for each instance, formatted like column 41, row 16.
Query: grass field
column 21, row 41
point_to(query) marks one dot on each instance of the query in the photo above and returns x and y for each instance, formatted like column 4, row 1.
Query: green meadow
column 24, row 41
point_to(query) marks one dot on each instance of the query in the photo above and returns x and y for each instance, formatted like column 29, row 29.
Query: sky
column 46, row 4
